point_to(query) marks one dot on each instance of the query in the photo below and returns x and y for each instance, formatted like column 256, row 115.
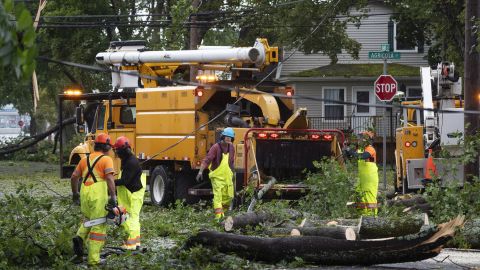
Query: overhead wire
column 260, row 92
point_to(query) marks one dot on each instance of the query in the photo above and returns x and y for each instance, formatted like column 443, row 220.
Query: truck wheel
column 160, row 187
column 183, row 181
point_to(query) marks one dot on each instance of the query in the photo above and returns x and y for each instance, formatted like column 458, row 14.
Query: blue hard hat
column 228, row 132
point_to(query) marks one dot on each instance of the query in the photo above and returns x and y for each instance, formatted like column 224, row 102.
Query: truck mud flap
column 67, row 170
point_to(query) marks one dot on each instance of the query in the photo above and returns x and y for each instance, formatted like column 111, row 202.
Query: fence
column 356, row 124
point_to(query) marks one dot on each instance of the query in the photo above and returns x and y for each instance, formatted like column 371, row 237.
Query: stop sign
column 385, row 87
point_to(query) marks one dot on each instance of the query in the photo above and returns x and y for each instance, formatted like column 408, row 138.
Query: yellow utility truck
column 424, row 129
column 172, row 124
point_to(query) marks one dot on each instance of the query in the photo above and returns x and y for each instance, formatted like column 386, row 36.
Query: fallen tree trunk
column 471, row 232
column 375, row 227
column 247, row 219
column 329, row 251
column 336, row 232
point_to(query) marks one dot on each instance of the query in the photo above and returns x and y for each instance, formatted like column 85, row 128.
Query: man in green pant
column 367, row 186
column 130, row 185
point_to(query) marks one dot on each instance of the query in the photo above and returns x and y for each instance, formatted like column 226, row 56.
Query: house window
column 333, row 110
column 402, row 44
column 363, row 95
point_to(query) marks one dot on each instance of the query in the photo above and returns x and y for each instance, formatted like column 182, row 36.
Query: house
column 352, row 81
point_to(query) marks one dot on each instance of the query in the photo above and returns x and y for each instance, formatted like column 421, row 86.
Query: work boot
column 78, row 246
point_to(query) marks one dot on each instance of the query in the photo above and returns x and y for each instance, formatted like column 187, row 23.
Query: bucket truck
column 424, row 129
column 172, row 126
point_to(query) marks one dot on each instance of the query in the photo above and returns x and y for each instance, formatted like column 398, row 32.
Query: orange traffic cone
column 430, row 166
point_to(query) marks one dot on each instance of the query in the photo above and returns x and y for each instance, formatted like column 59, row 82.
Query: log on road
column 337, row 232
column 329, row 251
column 377, row 227
column 471, row 232
column 247, row 219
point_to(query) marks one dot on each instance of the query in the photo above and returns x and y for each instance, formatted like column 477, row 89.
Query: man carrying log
column 219, row 161
column 367, row 185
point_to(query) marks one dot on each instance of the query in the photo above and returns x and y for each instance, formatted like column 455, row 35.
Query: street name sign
column 384, row 55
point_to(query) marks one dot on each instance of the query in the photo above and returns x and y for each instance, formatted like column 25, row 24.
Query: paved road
column 451, row 259
column 448, row 259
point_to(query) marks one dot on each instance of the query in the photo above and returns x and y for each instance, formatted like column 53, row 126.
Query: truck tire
column 183, row 181
column 160, row 187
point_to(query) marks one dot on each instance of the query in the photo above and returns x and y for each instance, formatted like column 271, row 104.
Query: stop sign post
column 385, row 87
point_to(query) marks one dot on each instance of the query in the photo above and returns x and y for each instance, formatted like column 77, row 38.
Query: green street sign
column 383, row 55
column 385, row 47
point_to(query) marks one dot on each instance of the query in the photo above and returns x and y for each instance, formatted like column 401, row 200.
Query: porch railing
column 356, row 124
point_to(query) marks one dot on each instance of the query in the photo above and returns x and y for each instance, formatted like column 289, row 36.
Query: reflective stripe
column 218, row 210
column 362, row 205
column 97, row 236
column 131, row 241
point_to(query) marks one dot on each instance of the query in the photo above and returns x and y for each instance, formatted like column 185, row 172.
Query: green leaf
column 6, row 49
column 8, row 5
column 24, row 21
column 29, row 38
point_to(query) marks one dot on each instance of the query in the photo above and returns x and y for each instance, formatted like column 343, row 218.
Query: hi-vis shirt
column 103, row 167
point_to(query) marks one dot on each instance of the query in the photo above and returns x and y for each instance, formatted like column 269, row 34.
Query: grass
column 358, row 70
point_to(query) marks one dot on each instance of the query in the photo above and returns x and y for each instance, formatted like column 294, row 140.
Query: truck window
column 100, row 118
column 128, row 114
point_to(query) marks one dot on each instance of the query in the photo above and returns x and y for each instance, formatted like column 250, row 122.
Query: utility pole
column 194, row 36
column 472, row 80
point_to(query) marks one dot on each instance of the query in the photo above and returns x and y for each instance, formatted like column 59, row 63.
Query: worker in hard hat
column 219, row 161
column 131, row 185
column 96, row 170
column 367, row 186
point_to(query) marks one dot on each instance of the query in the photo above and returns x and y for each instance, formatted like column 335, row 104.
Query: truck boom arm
column 260, row 54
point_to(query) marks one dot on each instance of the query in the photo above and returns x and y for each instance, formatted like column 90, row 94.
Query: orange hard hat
column 122, row 142
column 103, row 138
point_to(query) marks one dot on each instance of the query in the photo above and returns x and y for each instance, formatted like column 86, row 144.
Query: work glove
column 112, row 203
column 76, row 198
column 199, row 177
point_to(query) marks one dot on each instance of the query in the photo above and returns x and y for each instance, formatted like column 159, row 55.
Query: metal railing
column 356, row 124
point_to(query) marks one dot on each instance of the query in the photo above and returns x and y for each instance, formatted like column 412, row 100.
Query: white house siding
column 306, row 88
column 371, row 34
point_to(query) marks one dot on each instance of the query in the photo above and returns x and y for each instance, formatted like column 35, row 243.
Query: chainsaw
column 116, row 215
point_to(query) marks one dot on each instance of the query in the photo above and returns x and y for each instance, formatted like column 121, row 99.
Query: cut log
column 423, row 207
column 407, row 202
column 471, row 232
column 247, row 219
column 371, row 227
column 329, row 251
column 336, row 232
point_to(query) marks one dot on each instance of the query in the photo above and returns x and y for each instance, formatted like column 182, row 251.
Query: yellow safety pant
column 222, row 186
column 93, row 199
column 133, row 203
column 367, row 188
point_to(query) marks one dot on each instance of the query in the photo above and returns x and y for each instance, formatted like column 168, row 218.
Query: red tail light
column 315, row 137
column 274, row 135
column 328, row 137
column 199, row 91
column 407, row 144
column 262, row 135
